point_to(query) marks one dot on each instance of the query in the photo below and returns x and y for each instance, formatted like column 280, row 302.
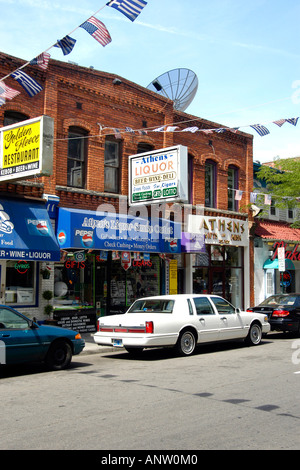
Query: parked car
column 181, row 321
column 22, row 340
column 283, row 311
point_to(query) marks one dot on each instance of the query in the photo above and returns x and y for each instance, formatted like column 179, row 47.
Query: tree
column 283, row 183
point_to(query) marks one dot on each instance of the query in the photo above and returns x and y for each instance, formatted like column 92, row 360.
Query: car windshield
column 280, row 300
column 152, row 305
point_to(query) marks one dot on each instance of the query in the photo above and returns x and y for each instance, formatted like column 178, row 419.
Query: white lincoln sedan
column 181, row 321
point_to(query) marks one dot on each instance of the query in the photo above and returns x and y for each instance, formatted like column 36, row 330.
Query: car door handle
column 223, row 318
column 5, row 336
column 202, row 319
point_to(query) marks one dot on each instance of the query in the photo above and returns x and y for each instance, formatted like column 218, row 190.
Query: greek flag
column 292, row 121
column 66, row 44
column 31, row 86
column 129, row 8
column 261, row 130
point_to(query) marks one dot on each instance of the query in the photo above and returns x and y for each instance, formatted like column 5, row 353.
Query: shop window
column 12, row 117
column 232, row 187
column 210, row 184
column 20, row 283
column 112, row 166
column 77, row 156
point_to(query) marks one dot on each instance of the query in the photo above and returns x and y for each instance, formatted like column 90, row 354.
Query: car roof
column 177, row 296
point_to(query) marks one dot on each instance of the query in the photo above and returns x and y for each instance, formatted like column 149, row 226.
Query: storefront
column 276, row 259
column 221, row 264
column 109, row 260
column 27, row 239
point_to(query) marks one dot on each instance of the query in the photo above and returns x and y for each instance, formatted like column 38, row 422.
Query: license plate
column 118, row 343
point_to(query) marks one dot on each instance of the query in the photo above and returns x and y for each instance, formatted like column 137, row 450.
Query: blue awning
column 273, row 264
column 116, row 232
column 26, row 231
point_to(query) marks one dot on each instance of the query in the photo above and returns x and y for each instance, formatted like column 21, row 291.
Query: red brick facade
column 89, row 99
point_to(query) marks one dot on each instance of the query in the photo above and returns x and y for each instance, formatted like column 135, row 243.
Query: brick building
column 101, row 119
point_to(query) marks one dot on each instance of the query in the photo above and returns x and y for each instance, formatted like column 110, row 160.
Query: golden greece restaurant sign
column 27, row 149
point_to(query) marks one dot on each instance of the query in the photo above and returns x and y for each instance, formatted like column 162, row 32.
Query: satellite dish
column 179, row 85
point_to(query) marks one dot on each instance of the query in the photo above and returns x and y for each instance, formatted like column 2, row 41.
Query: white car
column 182, row 321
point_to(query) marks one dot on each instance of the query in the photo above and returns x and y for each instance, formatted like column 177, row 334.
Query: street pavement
column 91, row 347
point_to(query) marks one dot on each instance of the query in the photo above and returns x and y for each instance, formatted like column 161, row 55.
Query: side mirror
column 238, row 311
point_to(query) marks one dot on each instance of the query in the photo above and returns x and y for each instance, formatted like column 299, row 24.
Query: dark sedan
column 22, row 340
column 283, row 312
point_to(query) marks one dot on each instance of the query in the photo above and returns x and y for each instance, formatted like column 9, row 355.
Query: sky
column 245, row 54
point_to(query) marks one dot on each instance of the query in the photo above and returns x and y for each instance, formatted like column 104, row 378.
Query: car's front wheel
column 186, row 343
column 59, row 355
column 254, row 335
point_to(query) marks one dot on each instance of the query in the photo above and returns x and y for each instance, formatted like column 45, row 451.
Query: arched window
column 77, row 157
column 12, row 117
column 210, row 183
column 112, row 166
column 232, row 184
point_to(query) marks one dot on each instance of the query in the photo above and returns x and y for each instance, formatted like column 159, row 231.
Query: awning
column 82, row 229
column 26, row 231
column 272, row 230
column 273, row 264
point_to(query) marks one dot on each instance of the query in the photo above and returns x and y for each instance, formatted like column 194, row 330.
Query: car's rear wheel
column 59, row 355
column 186, row 343
column 254, row 335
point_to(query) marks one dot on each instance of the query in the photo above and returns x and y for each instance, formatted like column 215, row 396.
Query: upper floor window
column 12, row 117
column 112, row 166
column 77, row 156
column 210, row 183
column 232, row 187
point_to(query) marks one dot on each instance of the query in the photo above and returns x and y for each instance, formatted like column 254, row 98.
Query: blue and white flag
column 31, row 86
column 129, row 8
column 66, row 44
column 292, row 121
column 98, row 30
column 261, row 130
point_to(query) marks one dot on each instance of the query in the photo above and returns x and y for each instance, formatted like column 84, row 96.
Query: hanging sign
column 160, row 175
column 26, row 149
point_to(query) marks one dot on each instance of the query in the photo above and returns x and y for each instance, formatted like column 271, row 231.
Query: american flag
column 97, row 29
column 31, row 86
column 41, row 60
column 66, row 44
column 129, row 8
column 280, row 122
column 7, row 92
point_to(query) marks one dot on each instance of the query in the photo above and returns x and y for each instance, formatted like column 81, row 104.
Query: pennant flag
column 66, row 44
column 253, row 197
column 7, row 93
column 292, row 121
column 268, row 199
column 238, row 195
column 159, row 129
column 31, row 86
column 261, row 130
column 130, row 8
column 129, row 129
column 142, row 132
column 208, row 131
column 221, row 130
column 279, row 123
column 97, row 29
column 191, row 129
column 41, row 60
column 117, row 134
column 171, row 128
column 2, row 101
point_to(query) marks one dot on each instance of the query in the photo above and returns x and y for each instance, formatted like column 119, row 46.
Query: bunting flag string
column 130, row 8
column 267, row 198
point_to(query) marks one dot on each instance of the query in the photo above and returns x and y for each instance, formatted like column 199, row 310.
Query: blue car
column 22, row 340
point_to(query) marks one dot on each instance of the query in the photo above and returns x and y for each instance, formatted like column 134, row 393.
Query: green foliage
column 283, row 183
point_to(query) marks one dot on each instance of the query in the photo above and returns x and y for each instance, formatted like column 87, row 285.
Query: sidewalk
column 91, row 347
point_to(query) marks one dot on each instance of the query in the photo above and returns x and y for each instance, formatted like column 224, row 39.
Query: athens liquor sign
column 27, row 149
column 160, row 175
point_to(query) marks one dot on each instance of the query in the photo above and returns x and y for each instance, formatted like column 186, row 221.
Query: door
column 231, row 326
column 2, row 281
column 207, row 321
